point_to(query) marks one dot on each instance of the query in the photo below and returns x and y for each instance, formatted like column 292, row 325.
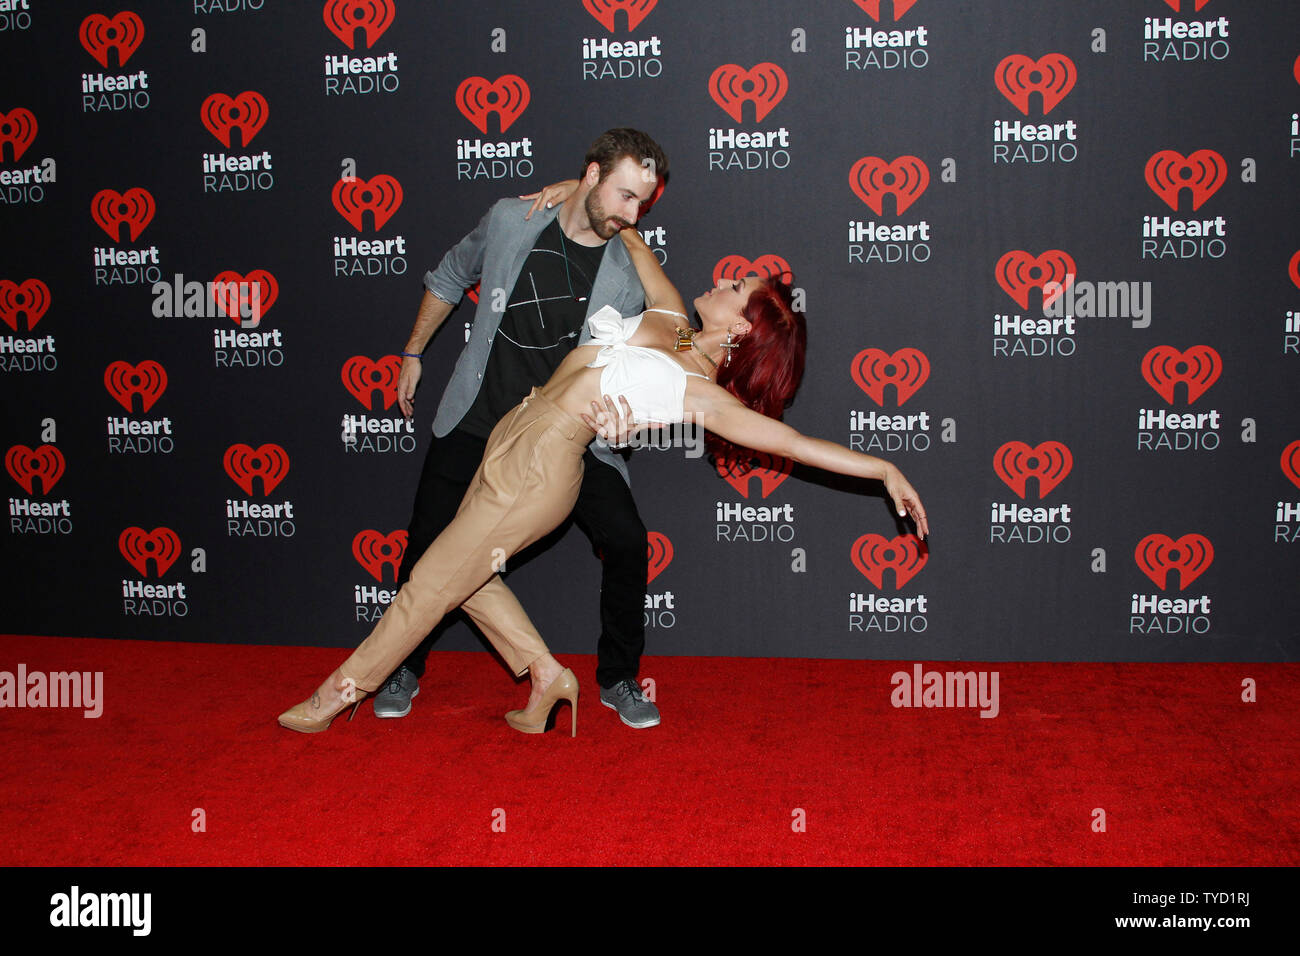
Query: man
column 558, row 268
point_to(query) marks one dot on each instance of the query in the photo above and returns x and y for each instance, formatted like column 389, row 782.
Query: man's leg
column 607, row 513
column 449, row 466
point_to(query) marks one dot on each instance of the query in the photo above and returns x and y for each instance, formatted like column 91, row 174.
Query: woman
column 734, row 377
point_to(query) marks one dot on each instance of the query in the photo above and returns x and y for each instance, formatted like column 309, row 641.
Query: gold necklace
column 686, row 339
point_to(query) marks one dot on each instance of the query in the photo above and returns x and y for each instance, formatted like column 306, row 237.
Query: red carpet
column 1186, row 773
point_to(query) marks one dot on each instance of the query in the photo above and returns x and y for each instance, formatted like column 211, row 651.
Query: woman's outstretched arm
column 721, row 413
column 660, row 293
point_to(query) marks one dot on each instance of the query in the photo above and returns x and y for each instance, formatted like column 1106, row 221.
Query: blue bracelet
column 415, row 355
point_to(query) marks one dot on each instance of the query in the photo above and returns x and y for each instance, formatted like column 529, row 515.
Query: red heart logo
column 737, row 267
column 18, row 128
column 381, row 194
column 1291, row 462
column 362, row 377
column 233, row 294
column 872, row 8
column 1015, row 463
column 31, row 298
column 770, row 471
column 871, row 179
column 1169, row 172
column 374, row 551
column 1018, row 272
column 243, row 464
column 138, row 546
column 732, row 86
column 1053, row 75
column 124, row 33
column 873, row 553
column 604, row 11
column 660, row 553
column 1293, row 270
column 343, row 17
column 907, row 370
column 110, row 209
column 148, row 380
column 1164, row 367
column 24, row 465
column 246, row 112
column 508, row 97
column 1158, row 554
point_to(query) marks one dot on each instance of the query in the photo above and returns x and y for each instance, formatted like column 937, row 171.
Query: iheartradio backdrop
column 1049, row 256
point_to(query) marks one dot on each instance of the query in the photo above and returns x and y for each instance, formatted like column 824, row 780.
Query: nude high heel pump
column 533, row 720
column 310, row 720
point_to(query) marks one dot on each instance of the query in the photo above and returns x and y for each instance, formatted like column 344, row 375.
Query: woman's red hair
column 766, row 365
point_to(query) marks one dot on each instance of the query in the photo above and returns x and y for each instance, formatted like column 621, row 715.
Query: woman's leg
column 525, row 487
column 496, row 612
column 505, row 623
column 493, row 607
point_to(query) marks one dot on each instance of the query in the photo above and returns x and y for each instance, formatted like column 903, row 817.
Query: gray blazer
column 493, row 255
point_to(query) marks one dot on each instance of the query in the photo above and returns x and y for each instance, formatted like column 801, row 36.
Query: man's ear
column 592, row 176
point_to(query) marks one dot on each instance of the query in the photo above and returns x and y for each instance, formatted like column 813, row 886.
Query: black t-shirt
column 540, row 326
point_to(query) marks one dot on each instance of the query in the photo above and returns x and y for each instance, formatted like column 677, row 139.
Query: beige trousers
column 527, row 484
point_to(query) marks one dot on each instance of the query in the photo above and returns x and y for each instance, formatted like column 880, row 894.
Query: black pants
column 605, row 512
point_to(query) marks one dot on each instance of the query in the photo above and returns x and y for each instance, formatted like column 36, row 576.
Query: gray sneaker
column 394, row 698
column 634, row 708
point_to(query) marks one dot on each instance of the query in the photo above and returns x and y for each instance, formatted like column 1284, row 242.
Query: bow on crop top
column 653, row 383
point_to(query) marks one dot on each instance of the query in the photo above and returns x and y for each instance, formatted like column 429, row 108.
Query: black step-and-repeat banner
column 1048, row 252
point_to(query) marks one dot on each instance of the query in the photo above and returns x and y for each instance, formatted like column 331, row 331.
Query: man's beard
column 606, row 227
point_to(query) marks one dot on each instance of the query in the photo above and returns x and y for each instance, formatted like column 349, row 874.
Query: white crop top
column 653, row 383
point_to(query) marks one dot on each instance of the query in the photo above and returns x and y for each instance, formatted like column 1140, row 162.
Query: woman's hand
column 613, row 425
column 550, row 195
column 906, row 501
column 633, row 239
